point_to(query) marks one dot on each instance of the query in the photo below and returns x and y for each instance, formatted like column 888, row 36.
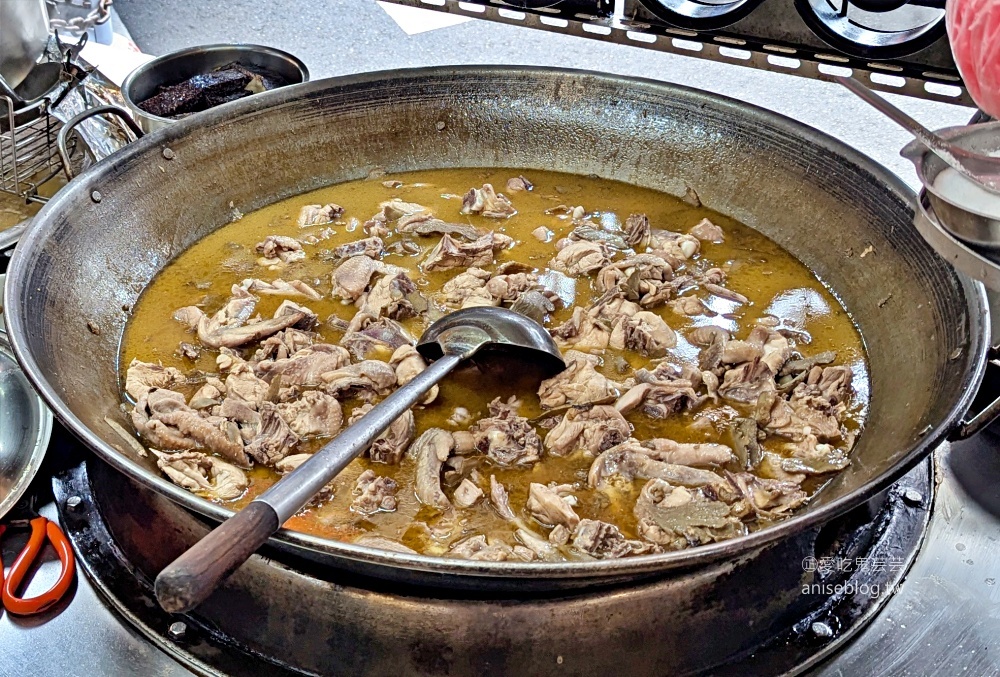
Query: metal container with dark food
column 77, row 274
column 146, row 80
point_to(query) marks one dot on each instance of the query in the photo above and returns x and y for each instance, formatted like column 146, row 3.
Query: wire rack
column 28, row 154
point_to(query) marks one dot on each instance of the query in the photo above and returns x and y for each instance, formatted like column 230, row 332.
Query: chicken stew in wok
column 713, row 382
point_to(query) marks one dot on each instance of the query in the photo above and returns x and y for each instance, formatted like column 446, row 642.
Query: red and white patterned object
column 974, row 32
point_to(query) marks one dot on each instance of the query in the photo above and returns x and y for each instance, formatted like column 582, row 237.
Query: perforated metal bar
column 806, row 62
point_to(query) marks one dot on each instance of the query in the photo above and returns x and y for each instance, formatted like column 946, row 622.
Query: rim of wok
column 81, row 187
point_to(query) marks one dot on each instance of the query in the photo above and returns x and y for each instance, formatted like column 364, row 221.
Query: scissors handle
column 41, row 528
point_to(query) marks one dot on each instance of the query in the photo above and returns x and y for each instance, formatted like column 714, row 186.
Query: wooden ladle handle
column 190, row 579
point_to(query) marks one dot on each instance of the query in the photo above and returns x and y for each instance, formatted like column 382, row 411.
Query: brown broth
column 758, row 268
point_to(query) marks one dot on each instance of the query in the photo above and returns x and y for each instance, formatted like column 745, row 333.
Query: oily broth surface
column 773, row 280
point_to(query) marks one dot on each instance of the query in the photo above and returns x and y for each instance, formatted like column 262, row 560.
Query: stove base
column 765, row 614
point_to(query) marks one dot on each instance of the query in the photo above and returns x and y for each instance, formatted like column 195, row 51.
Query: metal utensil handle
column 926, row 136
column 972, row 424
column 77, row 119
column 191, row 578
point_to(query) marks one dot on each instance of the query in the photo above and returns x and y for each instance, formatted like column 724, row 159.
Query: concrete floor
column 337, row 37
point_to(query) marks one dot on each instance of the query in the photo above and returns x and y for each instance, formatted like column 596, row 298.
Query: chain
column 100, row 13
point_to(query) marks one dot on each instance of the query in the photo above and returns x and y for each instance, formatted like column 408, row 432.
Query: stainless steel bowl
column 25, row 428
column 966, row 223
column 178, row 66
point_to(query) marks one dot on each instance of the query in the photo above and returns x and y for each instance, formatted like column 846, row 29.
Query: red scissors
column 42, row 529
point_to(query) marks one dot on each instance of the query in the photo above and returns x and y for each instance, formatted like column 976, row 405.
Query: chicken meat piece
column 373, row 337
column 282, row 345
column 314, row 414
column 393, row 296
column 746, row 382
column 771, row 498
column 208, row 395
column 275, row 440
column 660, row 400
column 430, row 451
column 601, row 540
column 373, row 494
column 583, row 331
column 468, row 290
column 536, row 304
column 306, row 366
column 141, row 377
column 688, row 305
column 507, row 438
column 593, row 429
column 642, row 278
column 165, row 421
column 630, row 460
column 479, row 549
column 811, row 457
column 390, row 446
column 645, row 333
column 206, row 476
column 501, row 500
column 278, row 287
column 698, row 455
column 579, row 384
column 241, row 382
column 395, row 209
column 228, row 328
column 487, row 202
column 801, row 416
column 352, row 277
column 372, row 247
column 586, row 230
column 637, row 233
column 712, row 340
column 706, row 231
column 552, row 505
column 676, row 517
column 832, row 384
column 581, row 258
column 369, row 376
column 517, row 184
column 449, row 253
column 425, row 224
column 280, row 248
column 246, row 418
column 408, row 364
column 676, row 246
column 316, row 215
column 467, row 494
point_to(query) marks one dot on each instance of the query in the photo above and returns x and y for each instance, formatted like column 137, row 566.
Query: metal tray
column 25, row 427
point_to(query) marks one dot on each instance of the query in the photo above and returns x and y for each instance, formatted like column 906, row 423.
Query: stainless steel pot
column 178, row 66
column 96, row 246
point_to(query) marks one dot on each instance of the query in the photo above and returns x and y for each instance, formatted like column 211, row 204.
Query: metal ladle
column 983, row 169
column 456, row 337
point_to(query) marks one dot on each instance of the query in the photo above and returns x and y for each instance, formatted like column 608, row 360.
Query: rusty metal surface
column 753, row 613
column 99, row 242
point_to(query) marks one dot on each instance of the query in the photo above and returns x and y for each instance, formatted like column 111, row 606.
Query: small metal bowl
column 178, row 66
column 25, row 427
column 965, row 223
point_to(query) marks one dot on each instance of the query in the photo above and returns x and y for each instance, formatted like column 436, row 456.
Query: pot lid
column 25, row 428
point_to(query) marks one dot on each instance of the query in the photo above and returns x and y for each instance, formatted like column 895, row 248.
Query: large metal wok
column 95, row 247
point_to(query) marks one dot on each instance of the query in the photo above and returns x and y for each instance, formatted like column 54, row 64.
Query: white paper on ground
column 415, row 20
